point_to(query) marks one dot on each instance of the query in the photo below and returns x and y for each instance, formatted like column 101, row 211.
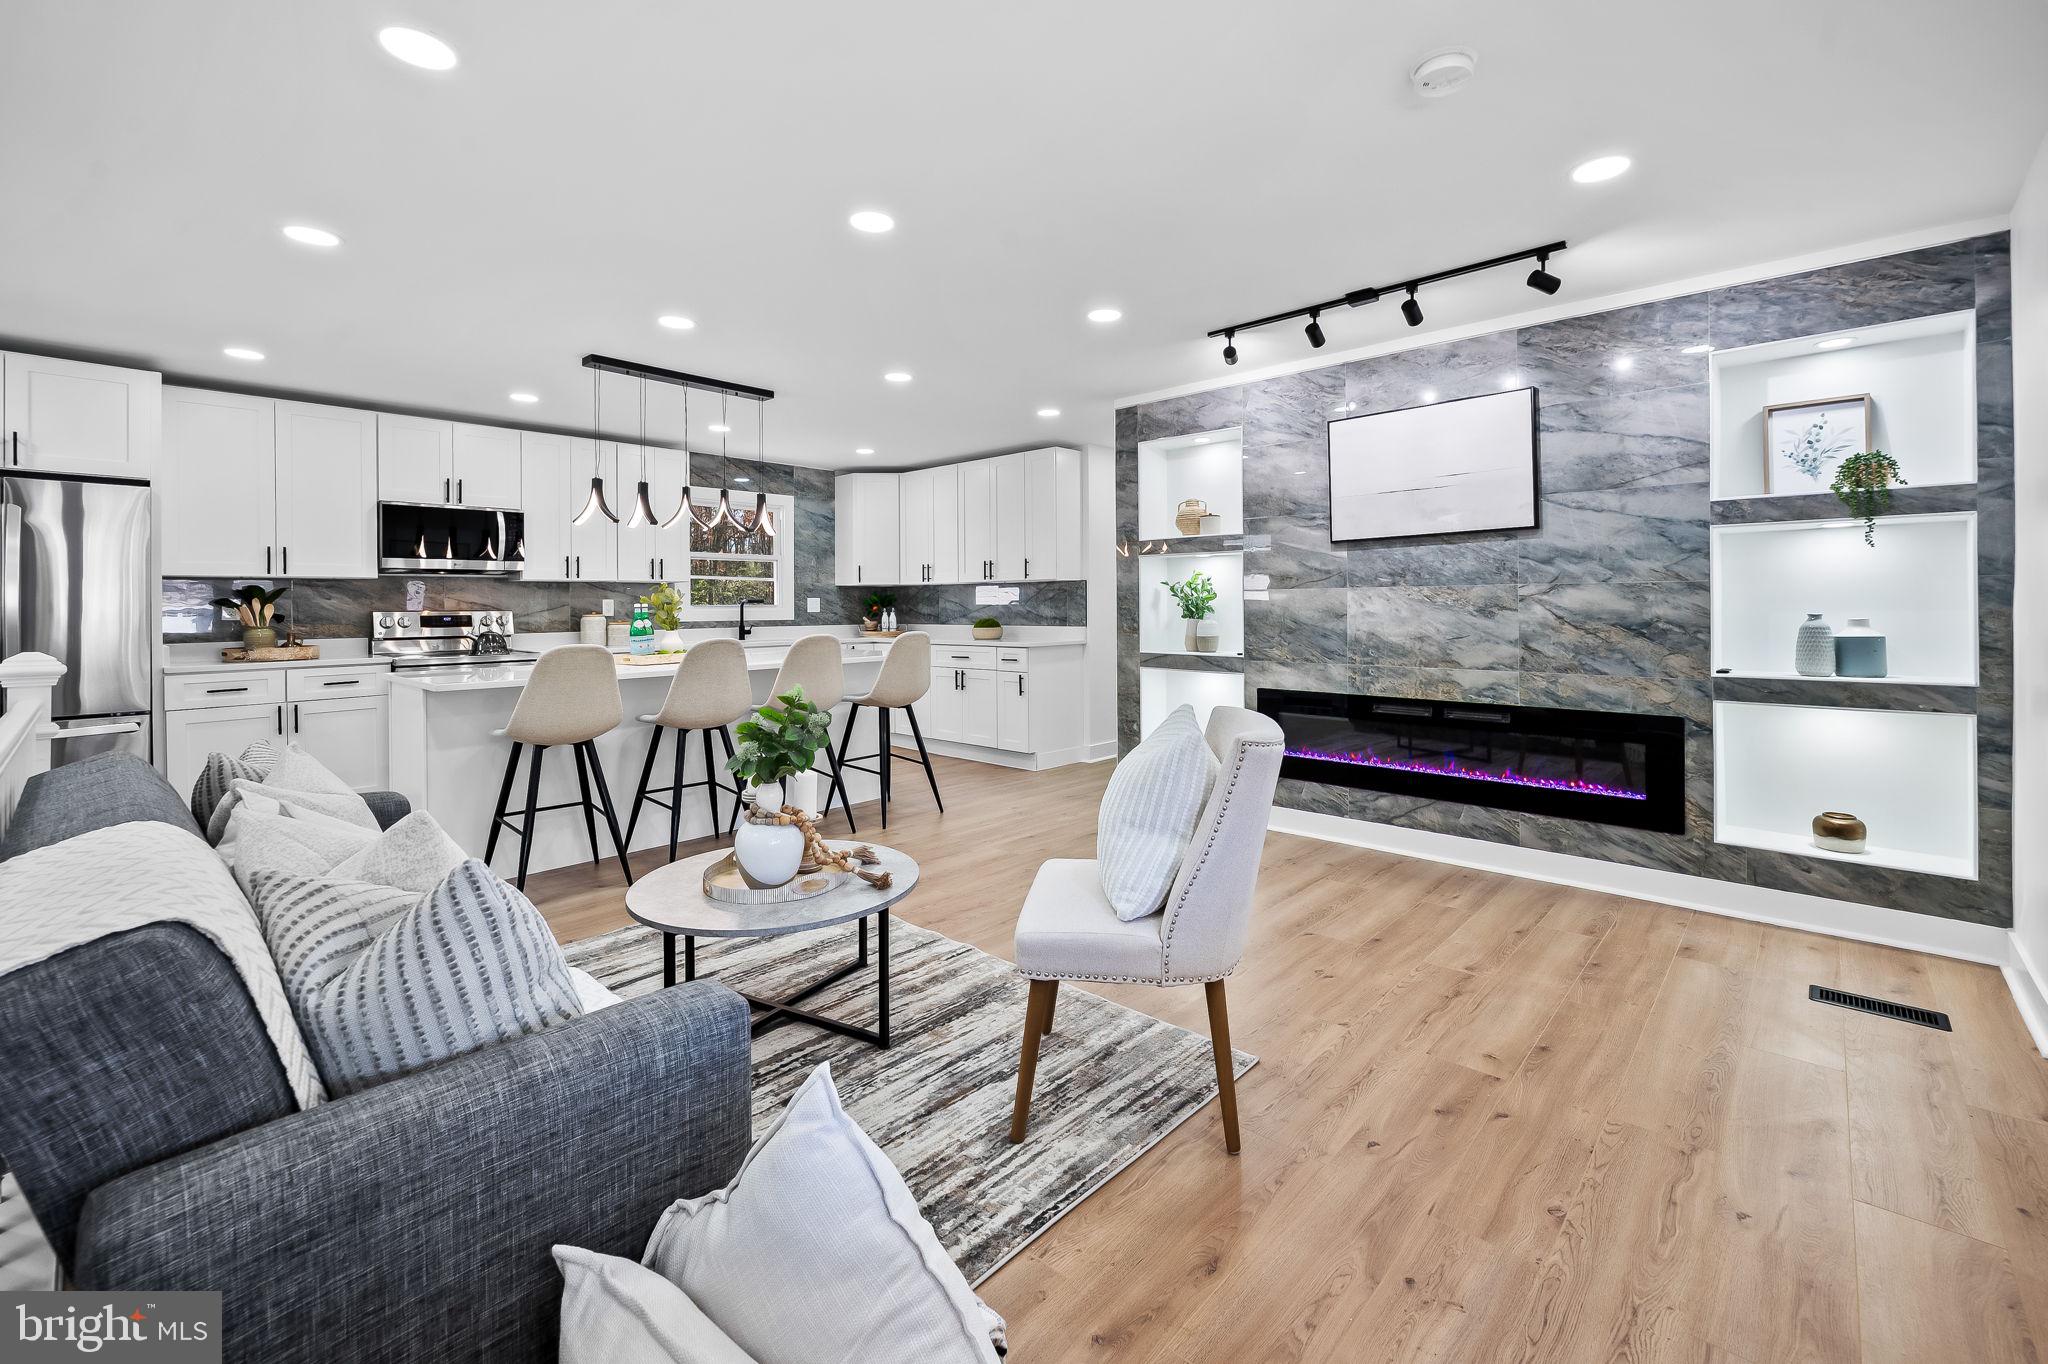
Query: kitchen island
column 445, row 759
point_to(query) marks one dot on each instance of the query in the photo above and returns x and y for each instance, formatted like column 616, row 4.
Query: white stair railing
column 26, row 681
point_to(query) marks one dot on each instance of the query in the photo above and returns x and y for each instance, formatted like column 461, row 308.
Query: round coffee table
column 672, row 900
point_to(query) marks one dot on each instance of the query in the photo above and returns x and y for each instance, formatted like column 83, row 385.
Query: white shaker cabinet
column 485, row 462
column 987, row 701
column 66, row 416
column 414, row 459
column 1012, row 511
column 554, row 485
column 867, row 519
column 649, row 553
column 929, row 505
column 340, row 716
column 189, row 735
column 977, row 520
column 217, row 494
column 1052, row 515
column 326, row 491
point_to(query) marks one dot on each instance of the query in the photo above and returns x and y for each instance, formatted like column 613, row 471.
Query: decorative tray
column 650, row 660
column 276, row 653
column 727, row 884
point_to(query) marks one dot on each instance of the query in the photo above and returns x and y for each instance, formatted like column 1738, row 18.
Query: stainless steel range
column 444, row 639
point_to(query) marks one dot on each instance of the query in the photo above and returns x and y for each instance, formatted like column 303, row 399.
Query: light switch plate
column 606, row 607
column 813, row 604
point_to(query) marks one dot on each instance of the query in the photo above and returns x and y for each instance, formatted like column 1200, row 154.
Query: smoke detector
column 1444, row 72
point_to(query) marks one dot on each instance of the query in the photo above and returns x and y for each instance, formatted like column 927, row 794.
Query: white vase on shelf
column 1202, row 636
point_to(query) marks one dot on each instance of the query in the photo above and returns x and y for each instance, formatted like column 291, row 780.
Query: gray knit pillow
column 380, row 990
column 1148, row 814
column 221, row 772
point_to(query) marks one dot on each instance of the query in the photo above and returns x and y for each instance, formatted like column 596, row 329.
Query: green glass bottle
column 640, row 634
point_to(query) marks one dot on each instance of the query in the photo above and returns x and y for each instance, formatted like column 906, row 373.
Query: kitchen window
column 730, row 564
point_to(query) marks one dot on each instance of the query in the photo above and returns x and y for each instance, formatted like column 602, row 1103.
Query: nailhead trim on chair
column 1244, row 749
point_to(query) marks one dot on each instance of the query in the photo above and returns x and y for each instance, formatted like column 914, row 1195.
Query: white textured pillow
column 816, row 1250
column 297, row 783
column 261, row 839
column 617, row 1312
column 220, row 773
column 413, row 854
column 1148, row 814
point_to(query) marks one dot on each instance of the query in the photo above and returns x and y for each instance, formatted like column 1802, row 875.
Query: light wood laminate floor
column 1495, row 1119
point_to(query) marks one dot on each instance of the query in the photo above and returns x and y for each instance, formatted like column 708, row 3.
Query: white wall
column 1098, row 559
column 2030, row 591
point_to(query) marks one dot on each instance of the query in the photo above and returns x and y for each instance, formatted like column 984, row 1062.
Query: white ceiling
column 589, row 166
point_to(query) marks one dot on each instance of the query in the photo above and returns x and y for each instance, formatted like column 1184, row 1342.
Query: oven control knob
column 405, row 622
column 383, row 622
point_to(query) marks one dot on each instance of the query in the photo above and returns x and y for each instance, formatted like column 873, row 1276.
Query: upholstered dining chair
column 905, row 676
column 1068, row 930
column 709, row 692
column 571, row 698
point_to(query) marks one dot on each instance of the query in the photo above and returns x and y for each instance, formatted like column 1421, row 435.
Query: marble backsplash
column 338, row 608
column 1605, row 605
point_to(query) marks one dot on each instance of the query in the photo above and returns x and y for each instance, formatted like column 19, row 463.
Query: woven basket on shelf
column 1188, row 516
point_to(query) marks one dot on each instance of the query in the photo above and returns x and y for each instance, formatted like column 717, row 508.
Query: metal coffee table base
column 775, row 1012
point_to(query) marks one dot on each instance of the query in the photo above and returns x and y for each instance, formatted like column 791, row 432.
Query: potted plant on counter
column 781, row 740
column 256, row 608
column 988, row 627
column 665, row 605
column 1197, row 597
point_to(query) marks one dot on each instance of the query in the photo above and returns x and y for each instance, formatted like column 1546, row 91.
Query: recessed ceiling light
column 720, row 428
column 675, row 322
column 897, row 376
column 1048, row 411
column 1600, row 168
column 311, row 236
column 415, row 48
column 1834, row 343
column 1105, row 314
column 868, row 220
column 241, row 353
column 864, row 450
column 1701, row 349
column 1624, row 363
column 1429, row 395
column 524, row 397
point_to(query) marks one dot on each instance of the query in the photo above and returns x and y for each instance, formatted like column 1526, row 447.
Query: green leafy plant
column 782, row 739
column 254, row 606
column 1196, row 595
column 665, row 606
column 988, row 623
column 1864, row 483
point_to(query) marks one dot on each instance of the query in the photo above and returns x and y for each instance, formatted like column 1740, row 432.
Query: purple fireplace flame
column 1451, row 767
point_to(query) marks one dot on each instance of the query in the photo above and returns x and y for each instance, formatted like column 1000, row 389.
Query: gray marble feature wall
column 340, row 608
column 1605, row 604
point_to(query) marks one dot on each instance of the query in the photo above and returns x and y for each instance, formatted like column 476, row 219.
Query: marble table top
column 671, row 898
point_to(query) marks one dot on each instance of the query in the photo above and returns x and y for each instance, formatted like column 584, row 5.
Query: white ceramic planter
column 669, row 642
column 768, row 854
column 1203, row 636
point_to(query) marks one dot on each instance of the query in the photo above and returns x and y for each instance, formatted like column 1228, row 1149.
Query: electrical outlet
column 606, row 607
column 813, row 604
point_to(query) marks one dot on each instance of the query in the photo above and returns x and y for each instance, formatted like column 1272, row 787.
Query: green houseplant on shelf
column 256, row 608
column 780, row 741
column 1864, row 483
column 988, row 627
column 1196, row 595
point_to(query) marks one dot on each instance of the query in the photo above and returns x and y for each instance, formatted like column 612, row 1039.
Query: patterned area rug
column 1111, row 1081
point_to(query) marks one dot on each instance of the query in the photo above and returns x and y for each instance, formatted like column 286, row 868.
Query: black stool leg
column 725, row 738
column 504, row 794
column 839, row 785
column 611, row 817
column 646, row 771
column 589, row 815
column 882, row 763
column 532, row 801
column 924, row 757
column 675, row 793
column 711, row 781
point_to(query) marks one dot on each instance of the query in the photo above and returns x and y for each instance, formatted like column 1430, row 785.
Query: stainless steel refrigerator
column 75, row 583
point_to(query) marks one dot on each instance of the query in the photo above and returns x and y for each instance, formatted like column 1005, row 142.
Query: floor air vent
column 1883, row 1008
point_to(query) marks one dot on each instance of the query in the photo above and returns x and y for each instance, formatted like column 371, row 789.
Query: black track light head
column 1315, row 330
column 1230, row 348
column 1412, row 310
column 1541, row 279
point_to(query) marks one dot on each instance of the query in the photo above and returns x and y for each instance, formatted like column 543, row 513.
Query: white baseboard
column 1787, row 909
column 1102, row 752
column 2029, row 991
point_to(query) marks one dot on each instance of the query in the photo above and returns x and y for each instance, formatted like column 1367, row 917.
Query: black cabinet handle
column 565, row 565
column 650, row 569
column 14, row 443
column 295, row 717
column 280, row 719
column 266, row 561
column 1020, row 684
column 1027, row 568
column 223, row 691
column 285, row 555
column 352, row 682
column 579, row 565
column 444, row 490
column 458, row 490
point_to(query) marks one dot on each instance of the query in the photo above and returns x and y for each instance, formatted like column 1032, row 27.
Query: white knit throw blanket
column 126, row 876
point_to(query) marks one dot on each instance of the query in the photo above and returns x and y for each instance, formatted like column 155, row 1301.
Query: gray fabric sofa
column 150, row 1126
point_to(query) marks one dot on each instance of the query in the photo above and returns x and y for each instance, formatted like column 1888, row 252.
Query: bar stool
column 710, row 691
column 905, row 677
column 813, row 664
column 571, row 698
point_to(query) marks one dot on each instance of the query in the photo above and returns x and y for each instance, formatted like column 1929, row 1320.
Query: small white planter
column 768, row 854
column 669, row 642
column 1202, row 636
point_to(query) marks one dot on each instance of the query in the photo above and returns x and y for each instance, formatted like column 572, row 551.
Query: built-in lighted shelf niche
column 1207, row 466
column 1921, row 376
column 1910, row 776
column 1161, row 630
column 1917, row 585
column 1160, row 690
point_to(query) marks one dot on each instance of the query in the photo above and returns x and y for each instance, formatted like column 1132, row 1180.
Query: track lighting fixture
column 1411, row 309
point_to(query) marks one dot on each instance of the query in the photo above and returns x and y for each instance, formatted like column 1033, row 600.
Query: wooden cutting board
column 277, row 653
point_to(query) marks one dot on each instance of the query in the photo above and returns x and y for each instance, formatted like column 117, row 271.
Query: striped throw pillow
column 220, row 774
column 1148, row 814
column 469, row 964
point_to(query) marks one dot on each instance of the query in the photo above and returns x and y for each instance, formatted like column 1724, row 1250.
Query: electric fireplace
column 1604, row 767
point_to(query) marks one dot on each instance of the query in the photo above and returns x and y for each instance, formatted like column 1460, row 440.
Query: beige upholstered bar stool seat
column 1069, row 931
column 905, row 677
column 813, row 663
column 570, row 699
column 709, row 692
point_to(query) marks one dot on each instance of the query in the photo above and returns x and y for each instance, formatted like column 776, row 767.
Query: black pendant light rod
column 1358, row 298
column 676, row 376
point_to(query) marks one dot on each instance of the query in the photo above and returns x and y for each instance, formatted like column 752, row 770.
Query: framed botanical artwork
column 1446, row 468
column 1804, row 441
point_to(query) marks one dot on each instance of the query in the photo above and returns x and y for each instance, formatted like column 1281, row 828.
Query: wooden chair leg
column 1226, row 1078
column 1052, row 1000
column 1036, row 1011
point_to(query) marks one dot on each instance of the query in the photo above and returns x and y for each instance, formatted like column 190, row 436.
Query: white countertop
column 493, row 676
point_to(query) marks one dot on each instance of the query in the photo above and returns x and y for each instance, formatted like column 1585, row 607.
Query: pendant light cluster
column 643, row 514
column 1540, row 279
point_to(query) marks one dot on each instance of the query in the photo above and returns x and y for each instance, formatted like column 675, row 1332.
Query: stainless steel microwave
column 415, row 537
